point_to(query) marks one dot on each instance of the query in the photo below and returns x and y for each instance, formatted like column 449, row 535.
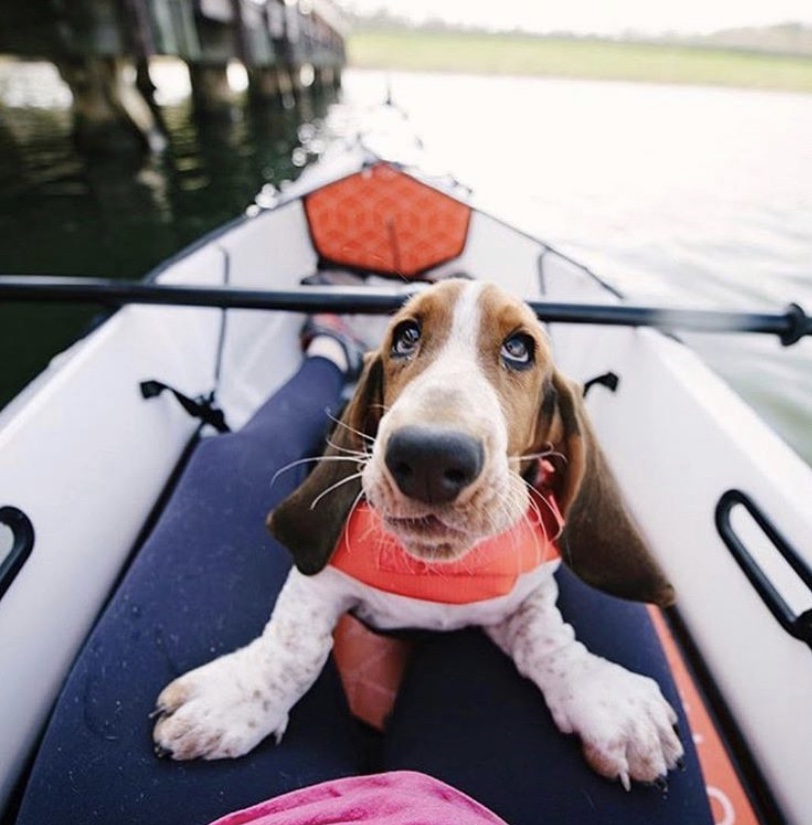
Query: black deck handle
column 22, row 544
column 797, row 625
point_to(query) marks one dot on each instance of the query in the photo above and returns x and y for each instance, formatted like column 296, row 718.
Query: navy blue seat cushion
column 204, row 583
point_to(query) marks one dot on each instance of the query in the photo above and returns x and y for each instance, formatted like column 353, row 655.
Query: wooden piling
column 94, row 42
column 212, row 94
column 101, row 121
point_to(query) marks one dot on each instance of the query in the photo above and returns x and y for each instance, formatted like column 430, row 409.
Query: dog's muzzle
column 433, row 464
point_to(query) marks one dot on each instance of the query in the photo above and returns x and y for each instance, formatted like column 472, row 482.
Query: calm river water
column 684, row 196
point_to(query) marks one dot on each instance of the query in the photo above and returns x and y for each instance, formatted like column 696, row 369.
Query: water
column 115, row 217
column 685, row 196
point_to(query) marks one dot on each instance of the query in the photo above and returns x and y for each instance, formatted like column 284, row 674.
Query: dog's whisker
column 311, row 460
column 353, row 430
column 517, row 556
column 380, row 541
column 539, row 498
column 333, row 487
column 353, row 508
column 557, row 455
column 536, row 509
column 528, row 507
column 549, row 453
column 516, row 499
column 342, row 449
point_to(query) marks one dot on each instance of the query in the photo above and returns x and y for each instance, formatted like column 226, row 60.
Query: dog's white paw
column 220, row 710
column 625, row 725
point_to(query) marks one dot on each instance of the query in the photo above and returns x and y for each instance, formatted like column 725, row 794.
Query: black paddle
column 790, row 326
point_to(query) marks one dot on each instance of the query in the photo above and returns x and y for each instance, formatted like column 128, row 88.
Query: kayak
column 90, row 449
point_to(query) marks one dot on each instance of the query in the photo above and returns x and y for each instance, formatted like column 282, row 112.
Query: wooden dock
column 103, row 50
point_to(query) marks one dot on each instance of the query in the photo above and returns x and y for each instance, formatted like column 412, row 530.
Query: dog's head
column 447, row 423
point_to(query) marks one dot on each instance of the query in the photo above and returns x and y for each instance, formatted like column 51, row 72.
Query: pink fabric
column 396, row 798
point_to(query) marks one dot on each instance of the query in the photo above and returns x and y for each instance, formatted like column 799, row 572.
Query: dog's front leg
column 225, row 708
column 625, row 725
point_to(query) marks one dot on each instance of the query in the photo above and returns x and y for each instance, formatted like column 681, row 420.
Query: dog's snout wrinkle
column 432, row 464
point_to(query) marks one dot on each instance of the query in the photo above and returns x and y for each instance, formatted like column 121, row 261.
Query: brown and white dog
column 446, row 425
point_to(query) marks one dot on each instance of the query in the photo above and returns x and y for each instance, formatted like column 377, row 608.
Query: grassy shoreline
column 516, row 54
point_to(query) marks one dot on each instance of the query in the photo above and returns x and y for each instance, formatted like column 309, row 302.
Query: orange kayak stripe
column 728, row 799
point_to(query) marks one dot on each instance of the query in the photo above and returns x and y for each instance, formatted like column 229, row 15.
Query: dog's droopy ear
column 310, row 520
column 600, row 542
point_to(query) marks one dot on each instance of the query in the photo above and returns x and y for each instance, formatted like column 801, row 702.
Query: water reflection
column 64, row 213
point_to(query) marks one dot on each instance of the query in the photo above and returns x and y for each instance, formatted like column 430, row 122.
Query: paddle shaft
column 790, row 326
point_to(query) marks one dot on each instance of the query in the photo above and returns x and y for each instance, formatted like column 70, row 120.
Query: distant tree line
column 790, row 38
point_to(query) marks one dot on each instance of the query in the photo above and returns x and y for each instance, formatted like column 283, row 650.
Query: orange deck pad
column 383, row 220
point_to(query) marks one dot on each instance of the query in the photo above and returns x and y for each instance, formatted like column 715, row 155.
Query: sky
column 599, row 16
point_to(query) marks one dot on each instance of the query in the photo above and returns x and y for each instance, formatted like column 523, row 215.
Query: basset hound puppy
column 436, row 507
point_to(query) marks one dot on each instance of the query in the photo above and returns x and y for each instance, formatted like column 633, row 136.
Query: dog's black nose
column 433, row 464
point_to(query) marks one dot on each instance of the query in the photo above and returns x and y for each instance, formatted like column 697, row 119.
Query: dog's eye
column 405, row 339
column 517, row 351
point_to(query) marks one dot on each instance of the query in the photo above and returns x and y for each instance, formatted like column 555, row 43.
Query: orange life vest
column 368, row 553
